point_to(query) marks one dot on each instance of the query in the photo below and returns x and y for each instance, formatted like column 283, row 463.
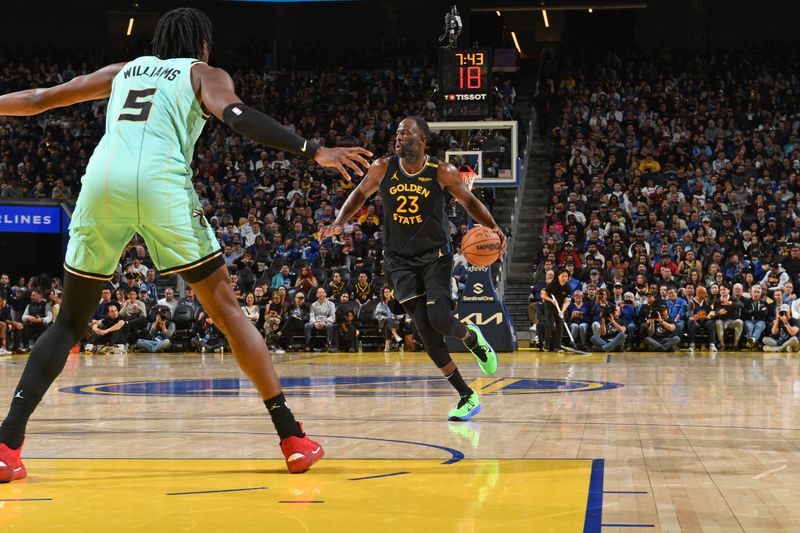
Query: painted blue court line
column 26, row 499
column 627, row 525
column 214, row 491
column 379, row 475
column 594, row 502
column 302, row 501
column 625, row 492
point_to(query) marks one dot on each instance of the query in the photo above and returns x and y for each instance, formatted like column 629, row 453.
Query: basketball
column 481, row 246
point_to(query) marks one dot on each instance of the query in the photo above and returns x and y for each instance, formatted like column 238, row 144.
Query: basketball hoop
column 468, row 175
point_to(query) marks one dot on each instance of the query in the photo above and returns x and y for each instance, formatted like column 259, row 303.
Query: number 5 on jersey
column 136, row 102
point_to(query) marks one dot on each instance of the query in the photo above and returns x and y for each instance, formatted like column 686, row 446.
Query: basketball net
column 468, row 175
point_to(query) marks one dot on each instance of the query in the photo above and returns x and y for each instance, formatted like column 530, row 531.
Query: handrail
column 515, row 214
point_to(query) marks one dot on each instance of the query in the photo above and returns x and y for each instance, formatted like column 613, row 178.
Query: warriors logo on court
column 342, row 386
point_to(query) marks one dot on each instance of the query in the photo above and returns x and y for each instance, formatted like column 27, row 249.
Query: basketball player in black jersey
column 418, row 254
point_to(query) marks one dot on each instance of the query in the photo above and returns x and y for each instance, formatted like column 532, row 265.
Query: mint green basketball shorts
column 94, row 250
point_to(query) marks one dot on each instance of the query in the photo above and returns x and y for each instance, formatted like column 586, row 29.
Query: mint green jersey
column 139, row 172
column 139, row 178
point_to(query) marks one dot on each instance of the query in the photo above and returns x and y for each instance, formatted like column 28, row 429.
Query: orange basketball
column 481, row 246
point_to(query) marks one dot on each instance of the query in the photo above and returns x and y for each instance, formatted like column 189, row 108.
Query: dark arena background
column 642, row 159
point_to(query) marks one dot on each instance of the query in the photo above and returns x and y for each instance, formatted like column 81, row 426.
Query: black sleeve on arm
column 266, row 130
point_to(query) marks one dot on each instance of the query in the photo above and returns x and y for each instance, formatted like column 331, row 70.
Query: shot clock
column 466, row 82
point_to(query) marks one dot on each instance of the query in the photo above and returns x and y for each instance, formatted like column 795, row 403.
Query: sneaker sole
column 8, row 474
column 305, row 463
column 475, row 410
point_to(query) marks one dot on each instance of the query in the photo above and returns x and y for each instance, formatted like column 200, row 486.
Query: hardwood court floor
column 630, row 442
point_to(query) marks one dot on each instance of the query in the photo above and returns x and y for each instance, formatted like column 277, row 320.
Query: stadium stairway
column 529, row 228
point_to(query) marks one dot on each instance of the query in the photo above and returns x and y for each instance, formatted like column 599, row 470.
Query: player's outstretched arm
column 364, row 190
column 450, row 180
column 94, row 86
column 218, row 95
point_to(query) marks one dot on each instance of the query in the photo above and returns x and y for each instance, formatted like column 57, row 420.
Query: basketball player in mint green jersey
column 139, row 180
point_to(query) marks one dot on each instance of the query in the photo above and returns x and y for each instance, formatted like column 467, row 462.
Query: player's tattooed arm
column 450, row 181
column 366, row 188
column 94, row 86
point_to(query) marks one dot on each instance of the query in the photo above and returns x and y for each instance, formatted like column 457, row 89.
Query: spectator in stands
column 362, row 289
column 169, row 300
column 151, row 286
column 699, row 310
column 159, row 332
column 36, row 318
column 346, row 332
column 757, row 311
column 322, row 316
column 6, row 325
column 783, row 334
column 250, row 309
column 190, row 299
column 134, row 313
column 662, row 333
column 295, row 322
column 306, row 281
column 282, row 279
column 388, row 322
column 677, row 310
column 578, row 317
column 776, row 278
column 108, row 332
column 273, row 318
column 727, row 312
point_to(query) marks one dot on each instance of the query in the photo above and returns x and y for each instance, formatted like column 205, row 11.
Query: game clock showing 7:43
column 465, row 82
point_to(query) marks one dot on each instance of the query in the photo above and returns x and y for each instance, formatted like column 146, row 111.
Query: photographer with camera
column 783, row 335
column 159, row 331
column 612, row 334
column 662, row 333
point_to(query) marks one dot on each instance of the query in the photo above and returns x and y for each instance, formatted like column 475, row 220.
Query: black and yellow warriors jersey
column 414, row 220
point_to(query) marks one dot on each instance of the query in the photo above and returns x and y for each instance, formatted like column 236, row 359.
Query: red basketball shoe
column 11, row 467
column 300, row 453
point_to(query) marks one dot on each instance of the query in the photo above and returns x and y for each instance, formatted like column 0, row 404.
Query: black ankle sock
column 282, row 417
column 12, row 430
column 458, row 383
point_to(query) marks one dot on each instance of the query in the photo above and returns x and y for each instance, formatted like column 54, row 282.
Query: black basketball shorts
column 425, row 276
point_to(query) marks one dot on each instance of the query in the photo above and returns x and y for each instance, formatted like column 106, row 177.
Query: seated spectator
column 7, row 326
column 208, row 337
column 151, row 286
column 662, row 333
column 108, row 331
column 273, row 318
column 362, row 289
column 190, row 299
column 101, row 311
column 282, row 279
column 158, row 333
column 295, row 321
column 698, row 312
column 250, row 309
column 578, row 317
column 346, row 332
column 387, row 320
column 321, row 317
column 306, row 281
column 169, row 300
column 677, row 310
column 134, row 313
column 783, row 335
column 335, row 286
column 727, row 312
column 37, row 317
column 756, row 312
column 601, row 307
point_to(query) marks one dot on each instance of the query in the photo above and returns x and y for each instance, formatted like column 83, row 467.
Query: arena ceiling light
column 516, row 42
column 544, row 16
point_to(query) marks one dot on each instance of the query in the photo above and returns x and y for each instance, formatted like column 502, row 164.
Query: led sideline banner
column 30, row 219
